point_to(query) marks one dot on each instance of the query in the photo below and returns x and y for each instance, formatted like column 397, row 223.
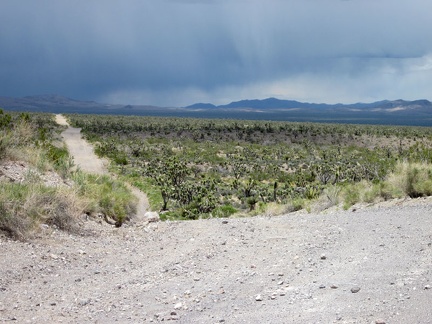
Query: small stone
column 427, row 287
column 258, row 297
column 334, row 287
column 224, row 221
column 355, row 289
column 84, row 302
column 380, row 321
column 152, row 216
column 322, row 286
column 178, row 306
column 323, row 257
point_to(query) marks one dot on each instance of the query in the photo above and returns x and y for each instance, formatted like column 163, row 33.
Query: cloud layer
column 177, row 52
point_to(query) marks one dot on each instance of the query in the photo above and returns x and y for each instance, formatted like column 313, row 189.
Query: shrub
column 105, row 195
column 24, row 206
column 3, row 147
column 410, row 179
column 351, row 195
column 275, row 209
column 224, row 211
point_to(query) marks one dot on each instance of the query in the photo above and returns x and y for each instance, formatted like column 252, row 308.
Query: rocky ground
column 373, row 265
column 365, row 265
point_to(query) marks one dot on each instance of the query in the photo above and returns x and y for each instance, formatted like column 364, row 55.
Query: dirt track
column 82, row 151
column 373, row 265
column 86, row 160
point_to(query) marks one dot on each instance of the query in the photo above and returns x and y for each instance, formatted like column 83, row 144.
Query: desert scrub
column 248, row 164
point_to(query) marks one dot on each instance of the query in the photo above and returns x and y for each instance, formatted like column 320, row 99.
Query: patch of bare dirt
column 368, row 266
column 19, row 171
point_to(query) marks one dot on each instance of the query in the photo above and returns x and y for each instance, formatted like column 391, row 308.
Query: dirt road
column 85, row 158
column 81, row 151
column 373, row 265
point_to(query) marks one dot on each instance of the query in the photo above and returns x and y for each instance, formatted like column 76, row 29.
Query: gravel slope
column 372, row 265
column 299, row 268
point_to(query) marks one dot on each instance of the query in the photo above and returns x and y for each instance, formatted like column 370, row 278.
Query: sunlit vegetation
column 34, row 140
column 194, row 168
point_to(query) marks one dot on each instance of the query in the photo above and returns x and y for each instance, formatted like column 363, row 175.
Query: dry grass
column 25, row 206
column 410, row 179
column 275, row 209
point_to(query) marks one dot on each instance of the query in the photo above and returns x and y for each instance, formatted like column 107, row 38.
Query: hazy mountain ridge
column 397, row 112
column 274, row 103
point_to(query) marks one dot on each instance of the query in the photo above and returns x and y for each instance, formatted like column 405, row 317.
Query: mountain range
column 273, row 103
column 400, row 112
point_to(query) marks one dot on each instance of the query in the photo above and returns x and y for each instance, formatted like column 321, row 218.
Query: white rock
column 152, row 216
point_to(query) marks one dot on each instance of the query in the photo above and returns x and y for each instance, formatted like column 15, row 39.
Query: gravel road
column 371, row 265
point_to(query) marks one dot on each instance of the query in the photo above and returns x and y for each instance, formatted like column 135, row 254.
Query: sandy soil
column 371, row 265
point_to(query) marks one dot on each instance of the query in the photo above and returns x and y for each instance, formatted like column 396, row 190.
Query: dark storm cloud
column 169, row 52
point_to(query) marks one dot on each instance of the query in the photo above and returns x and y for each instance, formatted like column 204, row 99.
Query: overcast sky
column 179, row 52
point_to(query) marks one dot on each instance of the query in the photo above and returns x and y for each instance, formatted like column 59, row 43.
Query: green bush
column 351, row 195
column 105, row 195
column 224, row 211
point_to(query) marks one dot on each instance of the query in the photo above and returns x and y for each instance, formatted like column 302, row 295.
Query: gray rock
column 355, row 289
column 152, row 216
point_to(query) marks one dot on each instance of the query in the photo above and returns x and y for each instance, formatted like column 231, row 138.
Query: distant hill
column 397, row 112
column 60, row 104
column 273, row 103
column 201, row 106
